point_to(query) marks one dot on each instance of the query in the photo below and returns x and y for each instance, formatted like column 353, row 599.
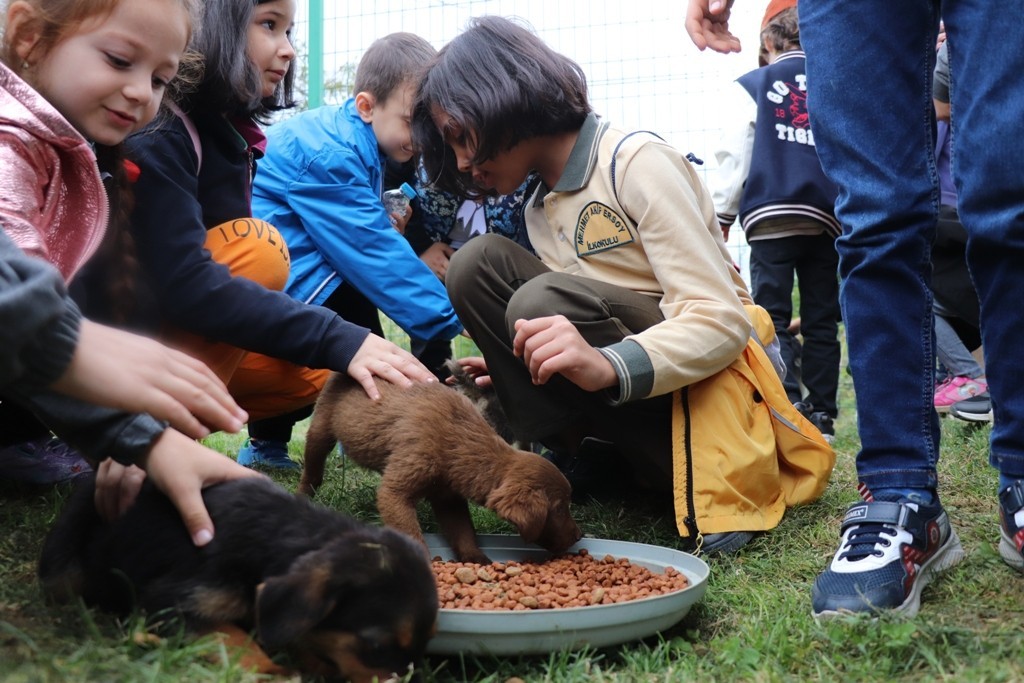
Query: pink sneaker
column 957, row 389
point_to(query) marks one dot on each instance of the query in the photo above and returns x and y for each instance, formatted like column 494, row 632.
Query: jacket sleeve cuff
column 59, row 341
column 634, row 369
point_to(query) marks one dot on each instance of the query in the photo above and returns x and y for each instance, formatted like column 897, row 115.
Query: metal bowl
column 541, row 631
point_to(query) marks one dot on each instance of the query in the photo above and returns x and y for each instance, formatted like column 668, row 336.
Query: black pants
column 815, row 262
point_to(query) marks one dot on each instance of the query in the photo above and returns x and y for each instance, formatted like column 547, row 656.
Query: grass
column 753, row 625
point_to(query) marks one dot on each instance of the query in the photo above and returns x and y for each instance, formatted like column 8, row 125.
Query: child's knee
column 251, row 248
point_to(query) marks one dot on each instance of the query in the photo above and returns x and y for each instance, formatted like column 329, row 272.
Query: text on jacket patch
column 599, row 228
column 791, row 110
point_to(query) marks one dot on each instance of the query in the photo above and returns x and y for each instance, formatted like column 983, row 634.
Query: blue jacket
column 320, row 184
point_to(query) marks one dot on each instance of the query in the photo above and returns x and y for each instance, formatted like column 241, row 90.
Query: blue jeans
column 952, row 353
column 869, row 70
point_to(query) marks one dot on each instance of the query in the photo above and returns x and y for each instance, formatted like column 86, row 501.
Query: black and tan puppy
column 429, row 442
column 343, row 598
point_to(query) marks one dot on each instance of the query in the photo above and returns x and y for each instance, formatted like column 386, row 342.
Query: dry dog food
column 576, row 580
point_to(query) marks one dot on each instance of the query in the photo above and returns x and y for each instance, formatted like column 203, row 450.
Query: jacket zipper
column 689, row 520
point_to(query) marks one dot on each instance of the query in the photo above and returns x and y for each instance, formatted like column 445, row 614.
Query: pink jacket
column 52, row 201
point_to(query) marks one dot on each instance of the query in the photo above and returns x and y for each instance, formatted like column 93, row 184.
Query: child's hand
column 552, row 345
column 378, row 357
column 476, row 367
column 436, row 257
column 401, row 220
column 181, row 468
column 121, row 370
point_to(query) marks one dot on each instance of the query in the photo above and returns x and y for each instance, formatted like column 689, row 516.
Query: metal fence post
column 316, row 53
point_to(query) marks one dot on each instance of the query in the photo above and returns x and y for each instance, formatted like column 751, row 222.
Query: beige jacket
column 635, row 214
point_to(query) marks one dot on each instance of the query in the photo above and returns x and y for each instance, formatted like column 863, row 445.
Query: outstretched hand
column 707, row 22
column 436, row 256
column 181, row 468
column 553, row 346
column 476, row 367
column 377, row 357
column 136, row 374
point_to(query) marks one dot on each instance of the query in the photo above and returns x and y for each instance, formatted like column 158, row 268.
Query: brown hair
column 783, row 31
column 56, row 20
column 391, row 62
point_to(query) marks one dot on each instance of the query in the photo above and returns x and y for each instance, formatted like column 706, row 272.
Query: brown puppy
column 429, row 442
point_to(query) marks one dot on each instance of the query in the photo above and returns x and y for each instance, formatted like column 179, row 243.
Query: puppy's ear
column 526, row 508
column 289, row 605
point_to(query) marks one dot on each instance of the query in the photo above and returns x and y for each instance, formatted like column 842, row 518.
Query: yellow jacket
column 742, row 453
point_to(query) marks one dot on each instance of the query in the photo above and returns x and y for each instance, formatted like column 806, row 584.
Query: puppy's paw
column 476, row 557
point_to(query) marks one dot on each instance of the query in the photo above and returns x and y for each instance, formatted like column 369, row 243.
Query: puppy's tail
column 61, row 563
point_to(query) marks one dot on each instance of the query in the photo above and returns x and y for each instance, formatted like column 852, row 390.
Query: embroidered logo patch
column 598, row 229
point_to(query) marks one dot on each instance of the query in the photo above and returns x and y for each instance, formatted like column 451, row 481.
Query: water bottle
column 397, row 200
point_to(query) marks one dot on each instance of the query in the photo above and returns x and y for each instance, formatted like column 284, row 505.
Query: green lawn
column 754, row 623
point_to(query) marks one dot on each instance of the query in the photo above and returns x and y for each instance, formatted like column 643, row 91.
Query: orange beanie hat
column 774, row 7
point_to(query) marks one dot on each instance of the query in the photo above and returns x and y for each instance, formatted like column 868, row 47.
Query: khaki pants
column 492, row 282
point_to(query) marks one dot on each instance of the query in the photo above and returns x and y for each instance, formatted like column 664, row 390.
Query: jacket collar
column 583, row 158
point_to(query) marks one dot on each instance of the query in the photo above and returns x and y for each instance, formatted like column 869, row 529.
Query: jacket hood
column 22, row 107
column 52, row 201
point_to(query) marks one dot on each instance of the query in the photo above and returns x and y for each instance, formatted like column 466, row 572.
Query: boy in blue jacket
column 320, row 184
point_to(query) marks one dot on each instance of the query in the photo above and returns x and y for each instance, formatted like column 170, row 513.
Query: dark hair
column 230, row 82
column 783, row 31
column 501, row 84
column 391, row 62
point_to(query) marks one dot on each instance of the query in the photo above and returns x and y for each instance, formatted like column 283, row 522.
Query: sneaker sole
column 947, row 557
column 972, row 417
column 1009, row 552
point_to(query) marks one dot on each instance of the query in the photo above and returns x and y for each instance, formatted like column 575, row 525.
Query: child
column 320, row 184
column 208, row 270
column 632, row 327
column 769, row 175
column 70, row 71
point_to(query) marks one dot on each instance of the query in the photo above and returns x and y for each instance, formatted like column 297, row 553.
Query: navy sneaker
column 725, row 543
column 43, row 461
column 974, row 409
column 269, row 454
column 804, row 407
column 823, row 421
column 888, row 554
column 1011, row 525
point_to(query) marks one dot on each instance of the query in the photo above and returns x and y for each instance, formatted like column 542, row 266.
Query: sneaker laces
column 863, row 540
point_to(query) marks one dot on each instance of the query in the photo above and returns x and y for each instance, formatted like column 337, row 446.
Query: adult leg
column 987, row 108
column 952, row 353
column 882, row 159
column 869, row 67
